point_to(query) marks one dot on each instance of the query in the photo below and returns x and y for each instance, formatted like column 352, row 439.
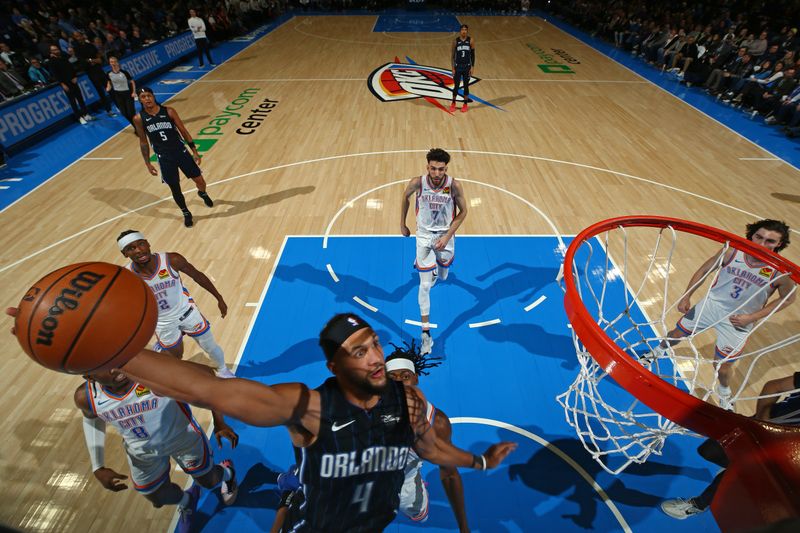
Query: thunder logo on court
column 405, row 81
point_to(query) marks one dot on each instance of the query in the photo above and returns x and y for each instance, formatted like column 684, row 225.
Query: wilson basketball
column 86, row 317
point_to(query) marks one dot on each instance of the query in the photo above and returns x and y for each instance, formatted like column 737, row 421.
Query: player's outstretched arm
column 182, row 265
column 449, row 476
column 436, row 450
column 249, row 401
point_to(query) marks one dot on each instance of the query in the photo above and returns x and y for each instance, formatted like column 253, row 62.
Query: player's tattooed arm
column 144, row 145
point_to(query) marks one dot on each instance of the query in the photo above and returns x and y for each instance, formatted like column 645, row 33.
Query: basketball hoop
column 609, row 304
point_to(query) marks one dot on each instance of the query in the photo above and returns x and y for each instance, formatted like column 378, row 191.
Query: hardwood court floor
column 598, row 143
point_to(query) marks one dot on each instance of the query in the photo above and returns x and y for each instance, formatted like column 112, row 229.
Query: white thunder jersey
column 145, row 421
column 741, row 278
column 435, row 207
column 172, row 298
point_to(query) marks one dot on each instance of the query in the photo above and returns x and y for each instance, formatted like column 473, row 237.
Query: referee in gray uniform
column 122, row 89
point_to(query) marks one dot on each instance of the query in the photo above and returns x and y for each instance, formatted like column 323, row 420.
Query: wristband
column 480, row 461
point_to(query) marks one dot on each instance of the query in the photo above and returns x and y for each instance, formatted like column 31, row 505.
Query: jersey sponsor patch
column 163, row 273
column 446, row 190
column 141, row 390
column 766, row 272
column 390, row 420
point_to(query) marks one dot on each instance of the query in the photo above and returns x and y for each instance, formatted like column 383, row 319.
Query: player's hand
column 12, row 311
column 497, row 453
column 405, row 231
column 197, row 159
column 151, row 169
column 684, row 304
column 223, row 307
column 741, row 321
column 110, row 479
column 225, row 432
column 441, row 242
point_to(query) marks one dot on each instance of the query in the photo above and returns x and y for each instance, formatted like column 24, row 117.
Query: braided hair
column 411, row 352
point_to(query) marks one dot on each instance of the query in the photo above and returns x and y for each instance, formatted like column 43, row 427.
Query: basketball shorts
column 170, row 162
column 414, row 496
column 428, row 257
column 191, row 322
column 730, row 339
column 150, row 467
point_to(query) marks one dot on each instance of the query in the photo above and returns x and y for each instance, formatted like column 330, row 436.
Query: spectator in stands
column 788, row 108
column 198, row 29
column 38, row 74
column 766, row 102
column 114, row 46
column 91, row 61
column 759, row 46
column 11, row 84
column 65, row 74
column 135, row 39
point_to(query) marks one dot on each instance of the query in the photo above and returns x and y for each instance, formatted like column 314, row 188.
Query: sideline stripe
column 332, row 273
column 537, row 302
column 365, row 304
column 420, row 324
column 487, row 323
column 555, row 450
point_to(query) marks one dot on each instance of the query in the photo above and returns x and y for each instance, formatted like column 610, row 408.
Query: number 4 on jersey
column 361, row 496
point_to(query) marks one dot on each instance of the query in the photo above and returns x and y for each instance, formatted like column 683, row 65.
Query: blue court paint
column 43, row 160
column 417, row 22
column 510, row 372
column 770, row 138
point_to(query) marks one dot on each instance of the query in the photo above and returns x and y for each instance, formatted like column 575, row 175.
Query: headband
column 125, row 240
column 339, row 330
column 400, row 363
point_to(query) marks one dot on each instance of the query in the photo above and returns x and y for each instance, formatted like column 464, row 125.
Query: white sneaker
column 82, row 120
column 680, row 508
column 725, row 400
column 87, row 117
column 224, row 373
column 427, row 343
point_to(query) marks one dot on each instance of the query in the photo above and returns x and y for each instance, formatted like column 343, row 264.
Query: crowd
column 36, row 35
column 744, row 53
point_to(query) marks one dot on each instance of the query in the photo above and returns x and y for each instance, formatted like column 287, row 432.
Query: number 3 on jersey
column 361, row 496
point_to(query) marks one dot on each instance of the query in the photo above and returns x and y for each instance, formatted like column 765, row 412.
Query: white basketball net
column 614, row 426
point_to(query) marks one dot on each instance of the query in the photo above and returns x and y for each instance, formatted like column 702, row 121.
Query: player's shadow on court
column 257, row 490
column 547, row 473
column 509, row 280
column 236, row 207
column 535, row 340
column 349, row 286
column 787, row 197
column 124, row 200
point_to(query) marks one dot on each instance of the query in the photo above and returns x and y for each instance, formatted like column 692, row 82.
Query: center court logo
column 407, row 81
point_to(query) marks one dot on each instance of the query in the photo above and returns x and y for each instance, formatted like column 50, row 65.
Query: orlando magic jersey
column 353, row 472
column 741, row 279
column 435, row 207
column 161, row 131
column 463, row 54
column 145, row 421
column 172, row 298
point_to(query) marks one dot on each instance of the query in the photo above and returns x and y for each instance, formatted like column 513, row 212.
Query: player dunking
column 153, row 429
column 737, row 299
column 177, row 312
column 441, row 209
column 462, row 55
column 166, row 132
column 405, row 366
column 355, row 430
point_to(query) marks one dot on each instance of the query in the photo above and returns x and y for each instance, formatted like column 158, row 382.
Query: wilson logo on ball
column 68, row 300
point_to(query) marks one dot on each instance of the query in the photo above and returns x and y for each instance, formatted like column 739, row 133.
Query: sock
column 184, row 503
column 210, row 346
column 724, row 391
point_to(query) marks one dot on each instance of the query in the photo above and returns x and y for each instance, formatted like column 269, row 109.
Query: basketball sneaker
column 464, row 108
column 187, row 513
column 206, row 198
column 187, row 218
column 229, row 489
column 427, row 343
column 224, row 373
column 680, row 508
column 452, row 106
